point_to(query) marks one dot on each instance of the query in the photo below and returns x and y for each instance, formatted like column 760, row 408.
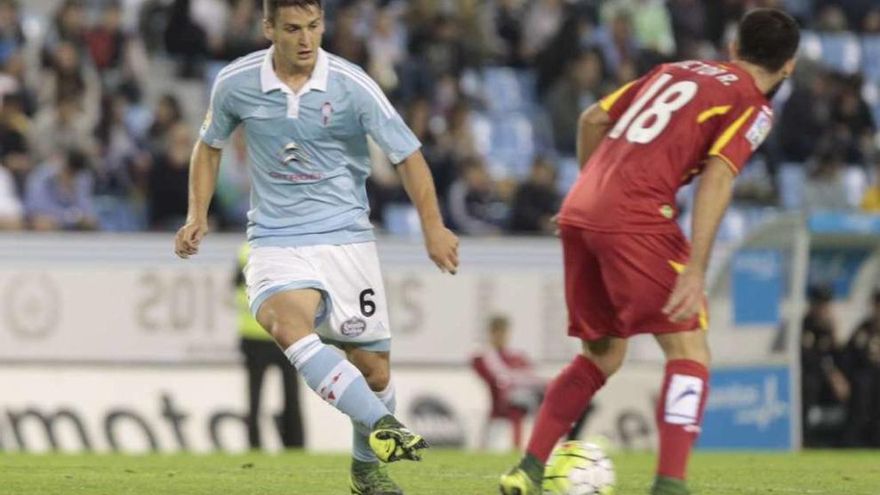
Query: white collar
column 318, row 81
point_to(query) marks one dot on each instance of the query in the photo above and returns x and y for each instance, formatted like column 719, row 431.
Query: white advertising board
column 200, row 409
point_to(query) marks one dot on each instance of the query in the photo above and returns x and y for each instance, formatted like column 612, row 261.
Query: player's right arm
column 204, row 164
column 203, row 167
column 595, row 122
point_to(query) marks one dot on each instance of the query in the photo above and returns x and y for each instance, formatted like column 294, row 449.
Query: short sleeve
column 381, row 121
column 617, row 102
column 219, row 121
column 740, row 134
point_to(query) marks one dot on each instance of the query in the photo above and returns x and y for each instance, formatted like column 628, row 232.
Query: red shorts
column 616, row 284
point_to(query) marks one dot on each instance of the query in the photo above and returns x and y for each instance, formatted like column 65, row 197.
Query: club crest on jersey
column 353, row 327
column 292, row 153
column 759, row 130
column 326, row 113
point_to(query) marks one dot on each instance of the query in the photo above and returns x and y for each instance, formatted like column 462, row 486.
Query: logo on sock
column 683, row 400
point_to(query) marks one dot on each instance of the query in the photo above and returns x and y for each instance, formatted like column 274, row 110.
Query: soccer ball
column 579, row 468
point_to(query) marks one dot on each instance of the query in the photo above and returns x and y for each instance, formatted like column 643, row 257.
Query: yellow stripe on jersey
column 608, row 102
column 728, row 133
column 712, row 112
column 704, row 313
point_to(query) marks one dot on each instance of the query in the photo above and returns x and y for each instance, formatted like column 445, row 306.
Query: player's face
column 296, row 33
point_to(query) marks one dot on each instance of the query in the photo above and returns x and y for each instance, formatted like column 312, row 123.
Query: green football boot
column 517, row 482
column 669, row 486
column 371, row 478
column 391, row 441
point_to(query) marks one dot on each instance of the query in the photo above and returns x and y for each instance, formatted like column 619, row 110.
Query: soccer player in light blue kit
column 313, row 275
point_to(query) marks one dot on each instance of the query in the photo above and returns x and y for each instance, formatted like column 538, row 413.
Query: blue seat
column 841, row 52
column 792, row 180
column 871, row 56
column 512, row 145
column 507, row 89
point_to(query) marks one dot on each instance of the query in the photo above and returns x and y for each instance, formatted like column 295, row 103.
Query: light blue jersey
column 308, row 150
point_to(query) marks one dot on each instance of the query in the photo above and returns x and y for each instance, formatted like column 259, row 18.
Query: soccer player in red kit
column 628, row 268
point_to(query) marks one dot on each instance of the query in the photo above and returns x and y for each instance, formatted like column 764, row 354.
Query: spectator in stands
column 169, row 179
column 688, row 19
column 347, row 36
column 168, row 114
column 870, row 202
column 542, row 21
column 825, row 389
column 473, row 203
column 11, row 33
column 578, row 89
column 862, row 364
column 61, row 127
column 651, row 22
column 120, row 170
column 536, row 201
column 243, row 33
column 185, row 40
column 69, row 76
column 11, row 209
column 618, row 43
column 825, row 189
column 804, row 118
column 59, row 194
column 514, row 387
column 871, row 22
column 386, row 48
column 118, row 56
column 851, row 121
column 68, row 26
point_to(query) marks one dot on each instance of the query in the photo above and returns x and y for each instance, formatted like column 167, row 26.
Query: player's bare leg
column 568, row 396
column 289, row 317
column 368, row 475
column 680, row 408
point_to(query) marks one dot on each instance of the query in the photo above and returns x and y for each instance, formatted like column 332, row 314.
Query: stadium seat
column 792, row 180
column 870, row 56
column 401, row 219
column 512, row 145
column 506, row 89
column 840, row 52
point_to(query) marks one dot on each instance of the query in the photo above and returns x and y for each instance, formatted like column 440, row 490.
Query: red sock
column 680, row 414
column 567, row 398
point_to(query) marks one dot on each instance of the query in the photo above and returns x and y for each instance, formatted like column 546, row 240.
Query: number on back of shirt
column 643, row 125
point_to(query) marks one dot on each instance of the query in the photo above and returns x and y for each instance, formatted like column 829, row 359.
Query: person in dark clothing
column 260, row 353
column 862, row 365
column 825, row 389
column 536, row 201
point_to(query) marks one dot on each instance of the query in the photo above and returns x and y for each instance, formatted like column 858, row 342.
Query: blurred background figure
column 514, row 388
column 825, row 388
column 861, row 359
column 260, row 353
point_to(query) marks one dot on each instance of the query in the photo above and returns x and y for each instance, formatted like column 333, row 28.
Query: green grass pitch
column 442, row 472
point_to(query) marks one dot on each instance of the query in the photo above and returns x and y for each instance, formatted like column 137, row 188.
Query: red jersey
column 664, row 127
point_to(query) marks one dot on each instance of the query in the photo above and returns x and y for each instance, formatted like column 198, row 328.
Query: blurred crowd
column 96, row 127
column 840, row 380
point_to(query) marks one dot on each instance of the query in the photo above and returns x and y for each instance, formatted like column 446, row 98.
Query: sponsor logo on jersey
column 759, row 130
column 292, row 154
column 326, row 113
column 353, row 327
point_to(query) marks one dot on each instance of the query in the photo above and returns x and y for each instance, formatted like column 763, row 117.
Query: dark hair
column 270, row 7
column 768, row 38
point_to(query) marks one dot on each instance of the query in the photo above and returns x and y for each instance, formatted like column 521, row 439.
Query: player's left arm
column 441, row 243
column 739, row 134
column 382, row 122
column 713, row 196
